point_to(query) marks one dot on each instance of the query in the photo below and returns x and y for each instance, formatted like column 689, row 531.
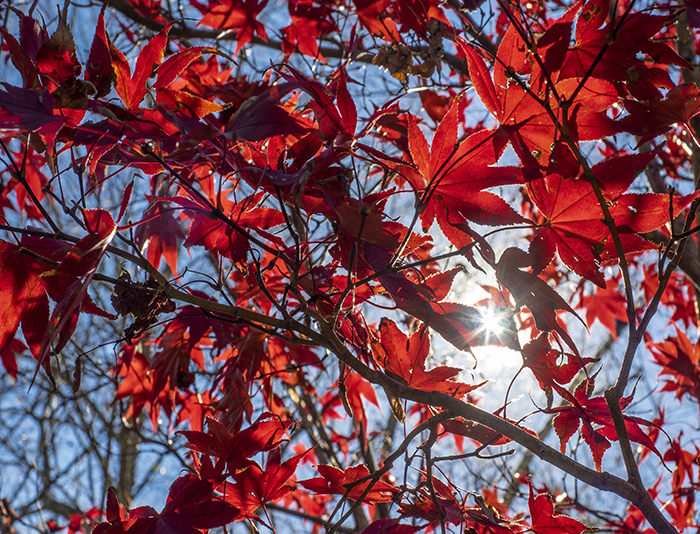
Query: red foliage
column 295, row 210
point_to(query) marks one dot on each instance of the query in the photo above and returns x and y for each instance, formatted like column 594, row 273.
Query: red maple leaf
column 98, row 69
column 686, row 462
column 373, row 16
column 133, row 89
column 27, row 108
column 80, row 264
column 309, row 23
column 458, row 173
column 8, row 356
column 574, row 226
column 235, row 450
column 606, row 305
column 403, row 358
column 270, row 484
column 390, row 526
column 526, row 121
column 23, row 299
column 586, row 411
column 190, row 509
column 340, row 482
column 459, row 324
column 138, row 384
column 479, row 433
column 152, row 9
column 195, row 408
column 679, row 358
column 239, row 15
column 676, row 296
column 229, row 238
column 356, row 389
column 682, row 512
column 633, row 38
column 56, row 60
column 545, row 364
column 424, row 505
column 161, row 232
column 33, row 35
column 530, row 290
column 262, row 117
column 656, row 117
column 545, row 521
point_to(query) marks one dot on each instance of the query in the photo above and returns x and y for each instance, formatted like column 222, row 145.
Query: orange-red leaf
column 404, row 358
column 339, row 482
column 545, row 521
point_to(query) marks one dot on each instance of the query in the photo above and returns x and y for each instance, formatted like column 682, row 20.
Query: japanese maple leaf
column 36, row 180
column 543, row 361
column 574, row 225
column 545, row 521
column 195, row 408
column 133, row 88
column 26, row 108
column 190, row 509
column 403, row 358
column 606, row 305
column 356, row 389
column 28, row 282
column 364, row 237
column 332, row 119
column 152, row 9
column 345, row 104
column 138, row 384
column 424, row 505
column 98, row 69
column 270, row 484
column 676, row 296
column 261, row 116
column 187, row 103
column 170, row 69
column 235, row 450
column 161, row 232
column 390, row 526
column 682, row 512
column 339, row 482
column 436, row 105
column 372, row 16
column 239, row 15
column 23, row 299
column 415, row 16
column 679, row 358
column 170, row 365
column 526, row 121
column 8, row 356
column 80, row 263
column 56, row 60
column 460, row 325
column 633, row 38
column 530, row 290
column 176, row 99
column 229, row 239
column 457, row 175
column 33, row 35
column 309, row 24
column 586, row 412
column 479, row 433
column 656, row 117
column 685, row 463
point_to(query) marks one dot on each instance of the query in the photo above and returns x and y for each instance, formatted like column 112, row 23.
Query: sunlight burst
column 491, row 322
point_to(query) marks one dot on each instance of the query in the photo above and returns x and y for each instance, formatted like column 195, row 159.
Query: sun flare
column 491, row 322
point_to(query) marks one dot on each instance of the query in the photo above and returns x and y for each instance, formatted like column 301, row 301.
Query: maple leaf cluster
column 275, row 241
